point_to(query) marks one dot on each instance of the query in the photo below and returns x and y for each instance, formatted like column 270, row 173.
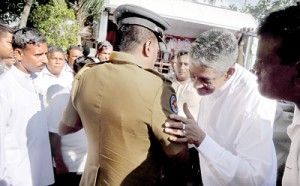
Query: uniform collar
column 122, row 57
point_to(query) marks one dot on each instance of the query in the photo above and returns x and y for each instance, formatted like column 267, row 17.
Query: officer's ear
column 147, row 48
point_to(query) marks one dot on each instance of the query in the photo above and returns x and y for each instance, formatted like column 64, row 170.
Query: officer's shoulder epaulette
column 96, row 63
column 159, row 75
column 87, row 67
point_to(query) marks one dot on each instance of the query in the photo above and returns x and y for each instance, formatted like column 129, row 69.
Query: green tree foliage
column 264, row 7
column 10, row 10
column 87, row 10
column 57, row 23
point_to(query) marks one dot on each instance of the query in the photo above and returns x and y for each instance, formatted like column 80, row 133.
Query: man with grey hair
column 104, row 50
column 234, row 131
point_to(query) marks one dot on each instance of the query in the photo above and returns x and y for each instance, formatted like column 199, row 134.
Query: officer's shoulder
column 161, row 76
column 87, row 67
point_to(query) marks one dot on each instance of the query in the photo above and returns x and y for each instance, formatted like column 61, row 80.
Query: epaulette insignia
column 173, row 104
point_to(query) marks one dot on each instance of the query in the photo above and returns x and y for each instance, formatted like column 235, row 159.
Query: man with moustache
column 183, row 85
column 25, row 157
column 233, row 135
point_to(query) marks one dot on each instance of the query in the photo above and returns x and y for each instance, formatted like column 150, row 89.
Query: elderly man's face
column 274, row 79
column 206, row 80
column 56, row 62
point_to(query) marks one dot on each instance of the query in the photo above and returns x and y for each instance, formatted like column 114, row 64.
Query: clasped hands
column 184, row 130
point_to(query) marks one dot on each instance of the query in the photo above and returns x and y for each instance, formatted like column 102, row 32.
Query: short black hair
column 26, row 36
column 81, row 61
column 86, row 50
column 71, row 47
column 181, row 53
column 133, row 35
column 284, row 24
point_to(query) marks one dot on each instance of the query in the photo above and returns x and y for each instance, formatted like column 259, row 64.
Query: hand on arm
column 184, row 130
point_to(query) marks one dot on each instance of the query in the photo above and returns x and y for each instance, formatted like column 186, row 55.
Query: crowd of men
column 71, row 119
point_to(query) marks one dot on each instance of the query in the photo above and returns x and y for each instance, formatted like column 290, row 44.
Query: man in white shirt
column 73, row 52
column 182, row 84
column 278, row 71
column 56, row 73
column 25, row 157
column 234, row 131
column 69, row 152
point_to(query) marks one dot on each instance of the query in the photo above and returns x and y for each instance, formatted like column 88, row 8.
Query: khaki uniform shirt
column 123, row 107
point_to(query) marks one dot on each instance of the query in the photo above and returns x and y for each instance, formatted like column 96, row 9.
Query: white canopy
column 188, row 19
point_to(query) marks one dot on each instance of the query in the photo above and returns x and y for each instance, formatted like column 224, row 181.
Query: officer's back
column 123, row 104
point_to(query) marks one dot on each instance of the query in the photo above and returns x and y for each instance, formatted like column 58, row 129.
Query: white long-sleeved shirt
column 291, row 175
column 238, row 147
column 25, row 157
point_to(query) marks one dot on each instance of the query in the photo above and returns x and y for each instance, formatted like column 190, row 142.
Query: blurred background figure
column 73, row 52
column 104, row 50
column 69, row 151
column 6, row 50
column 86, row 50
column 182, row 84
column 9, row 61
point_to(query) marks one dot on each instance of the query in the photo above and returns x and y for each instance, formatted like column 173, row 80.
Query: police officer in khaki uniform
column 122, row 105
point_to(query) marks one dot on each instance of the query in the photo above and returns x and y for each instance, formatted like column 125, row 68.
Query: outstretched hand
column 184, row 130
